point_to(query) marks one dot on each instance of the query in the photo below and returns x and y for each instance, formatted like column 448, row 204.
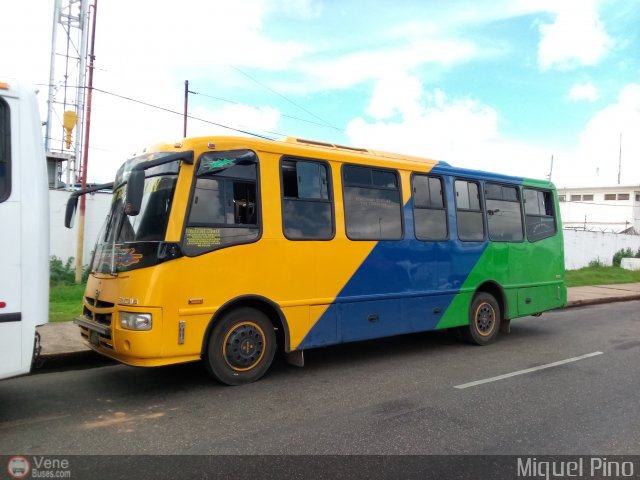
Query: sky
column 498, row 85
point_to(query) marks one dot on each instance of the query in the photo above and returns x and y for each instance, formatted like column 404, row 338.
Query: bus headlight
column 135, row 321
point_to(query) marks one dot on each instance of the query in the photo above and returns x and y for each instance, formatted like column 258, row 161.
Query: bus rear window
column 224, row 206
column 539, row 212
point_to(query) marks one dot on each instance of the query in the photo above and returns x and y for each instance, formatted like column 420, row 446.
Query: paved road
column 382, row 397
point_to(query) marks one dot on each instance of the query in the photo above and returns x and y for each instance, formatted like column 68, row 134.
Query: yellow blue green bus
column 229, row 250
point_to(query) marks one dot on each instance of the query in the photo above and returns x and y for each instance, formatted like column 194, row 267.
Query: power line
column 285, row 98
column 326, row 125
column 181, row 114
column 284, row 115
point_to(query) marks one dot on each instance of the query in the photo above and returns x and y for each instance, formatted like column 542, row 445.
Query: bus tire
column 241, row 347
column 484, row 320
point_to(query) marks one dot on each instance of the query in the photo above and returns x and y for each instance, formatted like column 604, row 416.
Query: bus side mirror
column 135, row 190
column 70, row 213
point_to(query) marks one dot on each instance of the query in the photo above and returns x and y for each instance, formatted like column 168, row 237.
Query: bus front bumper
column 134, row 348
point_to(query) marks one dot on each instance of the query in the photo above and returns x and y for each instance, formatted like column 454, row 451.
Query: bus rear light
column 3, row 304
column 4, row 86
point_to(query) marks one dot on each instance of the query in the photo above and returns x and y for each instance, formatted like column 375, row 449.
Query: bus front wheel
column 484, row 320
column 241, row 347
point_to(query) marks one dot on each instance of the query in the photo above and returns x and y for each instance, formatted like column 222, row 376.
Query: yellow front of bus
column 134, row 271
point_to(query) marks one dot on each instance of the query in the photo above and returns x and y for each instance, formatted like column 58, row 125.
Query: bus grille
column 102, row 318
column 98, row 303
column 98, row 312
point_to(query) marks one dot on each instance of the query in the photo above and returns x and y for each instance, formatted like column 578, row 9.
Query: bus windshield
column 126, row 242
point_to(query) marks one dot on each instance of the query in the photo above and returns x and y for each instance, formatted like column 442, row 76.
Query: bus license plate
column 94, row 338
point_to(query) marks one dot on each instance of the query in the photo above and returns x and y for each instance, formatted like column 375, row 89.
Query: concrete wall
column 581, row 247
column 63, row 241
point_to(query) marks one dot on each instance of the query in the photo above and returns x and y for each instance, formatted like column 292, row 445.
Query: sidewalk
column 61, row 340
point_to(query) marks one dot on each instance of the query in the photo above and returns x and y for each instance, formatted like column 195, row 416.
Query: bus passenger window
column 224, row 203
column 372, row 207
column 539, row 213
column 307, row 210
column 469, row 211
column 504, row 216
column 5, row 151
column 429, row 212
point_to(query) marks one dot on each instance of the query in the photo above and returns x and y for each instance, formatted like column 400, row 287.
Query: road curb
column 600, row 301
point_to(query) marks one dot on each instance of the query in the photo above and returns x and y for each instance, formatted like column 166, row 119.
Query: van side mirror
column 135, row 191
column 70, row 213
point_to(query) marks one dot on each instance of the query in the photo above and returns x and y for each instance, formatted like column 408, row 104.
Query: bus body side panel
column 531, row 274
column 399, row 287
column 409, row 285
column 24, row 285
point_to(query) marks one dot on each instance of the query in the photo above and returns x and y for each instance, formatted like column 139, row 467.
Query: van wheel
column 241, row 347
column 484, row 320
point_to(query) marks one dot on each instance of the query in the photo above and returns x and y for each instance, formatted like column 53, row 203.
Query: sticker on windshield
column 127, row 257
column 212, row 165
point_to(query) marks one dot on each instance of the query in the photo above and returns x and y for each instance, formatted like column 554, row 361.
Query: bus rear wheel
column 241, row 347
column 484, row 320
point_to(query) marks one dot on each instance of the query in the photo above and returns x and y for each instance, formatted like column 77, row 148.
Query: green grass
column 65, row 302
column 601, row 276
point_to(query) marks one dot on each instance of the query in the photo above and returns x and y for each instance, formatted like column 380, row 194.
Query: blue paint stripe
column 390, row 276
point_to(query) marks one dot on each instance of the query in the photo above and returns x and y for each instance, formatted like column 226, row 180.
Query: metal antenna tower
column 66, row 90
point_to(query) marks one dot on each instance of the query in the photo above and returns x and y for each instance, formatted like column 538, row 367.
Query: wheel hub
column 244, row 346
column 485, row 319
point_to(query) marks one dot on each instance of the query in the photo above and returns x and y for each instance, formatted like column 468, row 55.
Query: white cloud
column 25, row 56
column 599, row 142
column 304, row 9
column 575, row 38
column 462, row 131
column 425, row 123
column 341, row 72
column 586, row 91
column 396, row 94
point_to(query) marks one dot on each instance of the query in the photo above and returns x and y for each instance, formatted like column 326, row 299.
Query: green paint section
column 531, row 275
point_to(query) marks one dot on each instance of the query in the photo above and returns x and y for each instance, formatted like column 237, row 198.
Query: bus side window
column 539, row 213
column 504, row 215
column 307, row 209
column 372, row 207
column 469, row 211
column 5, row 151
column 429, row 210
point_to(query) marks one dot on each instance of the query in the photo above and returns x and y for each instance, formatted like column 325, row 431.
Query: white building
column 607, row 209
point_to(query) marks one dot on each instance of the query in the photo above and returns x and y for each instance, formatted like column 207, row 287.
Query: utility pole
column 186, row 104
column 85, row 152
column 620, row 158
column 551, row 168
